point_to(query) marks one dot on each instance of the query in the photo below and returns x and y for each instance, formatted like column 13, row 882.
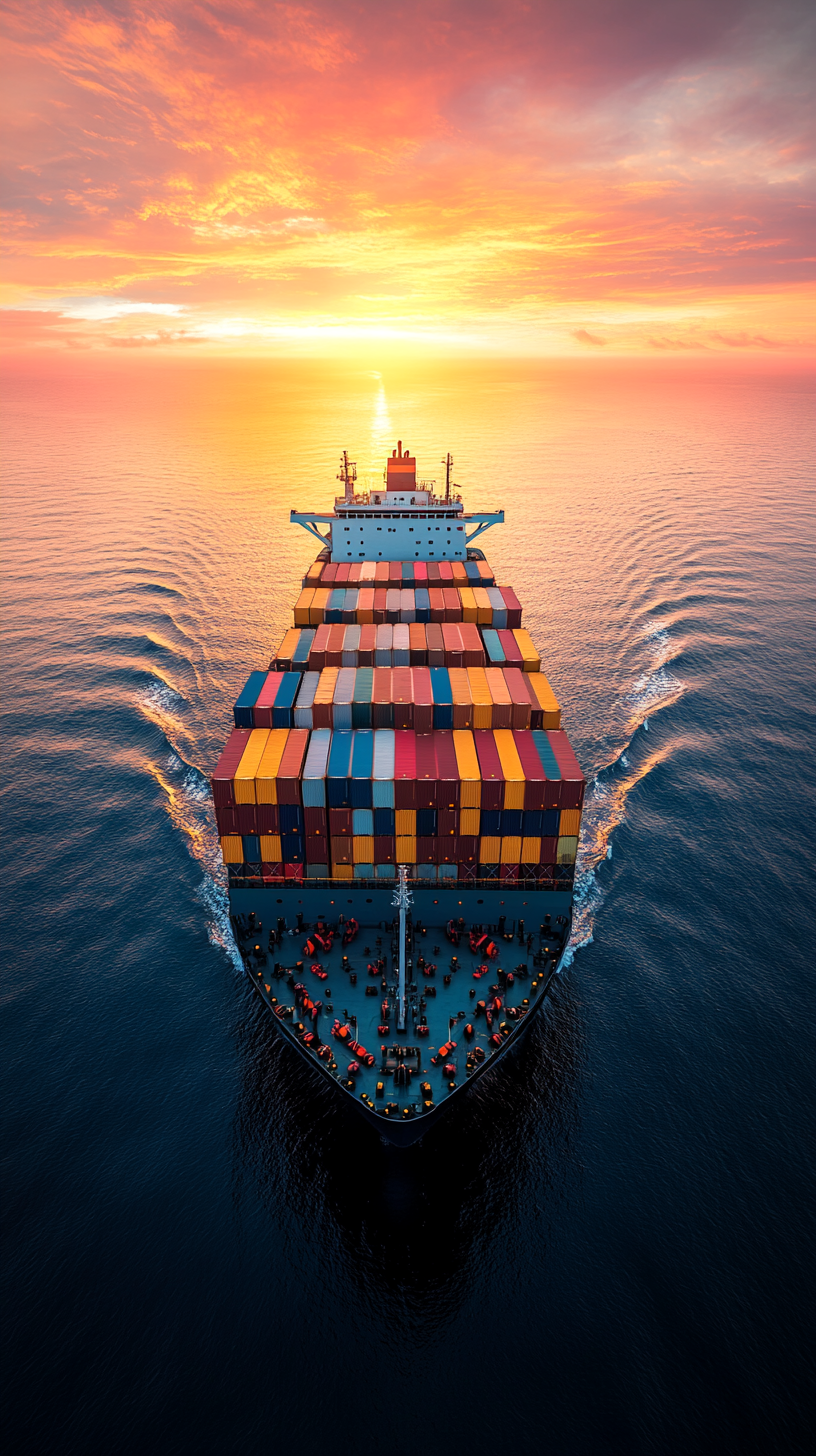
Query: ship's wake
column 189, row 804
column 655, row 688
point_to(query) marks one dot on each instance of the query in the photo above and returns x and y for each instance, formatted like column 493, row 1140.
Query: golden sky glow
column 529, row 178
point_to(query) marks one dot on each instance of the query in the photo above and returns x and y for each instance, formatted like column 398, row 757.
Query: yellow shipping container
column 567, row 849
column 244, row 786
column 497, row 687
column 482, row 701
column 315, row 571
column 289, row 643
column 469, row 821
column 484, row 612
column 530, row 660
column 512, row 770
column 363, row 851
column 406, row 849
column 232, row 849
column 510, row 849
column 470, row 612
column 490, row 849
column 405, row 822
column 267, row 770
column 547, row 700
column 531, row 851
column 342, row 872
column 271, row 852
column 467, row 762
column 318, row 606
column 327, row 683
column 570, row 822
column 302, row 606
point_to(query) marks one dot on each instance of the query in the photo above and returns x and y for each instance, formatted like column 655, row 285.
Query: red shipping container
column 513, row 606
column 385, row 849
column 427, row 851
column 395, row 571
column 447, row 851
column 334, row 646
column 420, row 571
column 573, row 783
column 508, row 873
column 382, row 699
column 473, row 646
column 224, row 771
column 329, row 573
column 354, row 572
column 510, row 648
column 317, row 651
column 380, row 600
column 368, row 643
column 426, row 771
column 433, row 572
column 468, row 848
column 445, row 571
column 548, row 852
column 262, row 712
column 381, row 571
column 490, row 768
column 447, row 771
column 291, row 764
column 342, row 849
column 340, row 822
column 227, row 821
column 267, row 819
column 247, row 821
column 453, row 604
column 521, row 707
column 437, row 598
column 293, row 871
column 405, row 769
column 315, row 821
column 447, row 821
column 436, row 645
column 343, row 569
column 317, row 849
column 402, row 691
column 272, row 873
column 418, row 644
column 423, row 699
column 453, row 645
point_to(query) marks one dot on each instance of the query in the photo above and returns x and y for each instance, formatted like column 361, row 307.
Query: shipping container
column 502, row 714
column 517, row 686
column 547, row 713
column 385, row 643
column 266, row 777
column 551, row 768
column 511, row 649
column 303, row 607
column 470, row 611
column 496, row 655
column 224, row 771
column 401, row 645
column 573, row 782
column 513, row 606
column 318, row 605
column 283, row 657
column 351, row 646
column 461, row 698
column 481, row 697
column 498, row 607
column 491, row 770
column 513, row 771
column 467, row 762
column 418, row 644
column 246, row 700
column 303, row 714
column 442, row 698
column 244, row 782
column 338, row 771
column 361, row 713
column 436, row 644
column 531, row 661
column 343, row 698
column 382, row 699
column 232, row 849
column 570, row 822
column 382, row 787
column 324, row 696
column 474, row 653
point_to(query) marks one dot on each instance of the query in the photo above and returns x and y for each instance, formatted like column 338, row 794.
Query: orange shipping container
column 302, row 606
column 287, row 647
column 232, row 849
column 271, row 852
column 342, row 872
column 546, row 699
column 469, row 822
column 530, row 660
column 467, row 762
column 462, row 701
column 318, row 605
column 510, row 850
column 531, row 851
column 405, row 822
column 500, row 695
column 484, row 609
column 470, row 611
column 406, row 849
column 480, row 695
column 570, row 822
column 512, row 770
column 363, row 851
column 489, row 849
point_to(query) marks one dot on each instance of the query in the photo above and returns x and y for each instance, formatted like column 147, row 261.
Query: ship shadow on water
column 407, row 1228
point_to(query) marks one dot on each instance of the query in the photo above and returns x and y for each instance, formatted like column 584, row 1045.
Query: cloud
column 483, row 159
column 584, row 337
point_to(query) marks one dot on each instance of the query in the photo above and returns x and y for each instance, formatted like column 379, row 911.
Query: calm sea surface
column 605, row 1250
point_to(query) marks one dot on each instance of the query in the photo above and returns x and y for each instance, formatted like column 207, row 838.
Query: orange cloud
column 498, row 174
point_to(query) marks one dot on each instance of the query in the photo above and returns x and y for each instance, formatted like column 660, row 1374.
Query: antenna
column 448, row 463
column 402, row 898
column 348, row 475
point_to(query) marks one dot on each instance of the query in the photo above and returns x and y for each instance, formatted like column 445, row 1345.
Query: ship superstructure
column 399, row 807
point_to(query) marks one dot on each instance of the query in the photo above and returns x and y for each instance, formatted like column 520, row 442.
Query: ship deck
column 401, row 1077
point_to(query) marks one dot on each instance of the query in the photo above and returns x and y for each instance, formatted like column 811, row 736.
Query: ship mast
column 447, row 462
column 348, row 475
column 402, row 898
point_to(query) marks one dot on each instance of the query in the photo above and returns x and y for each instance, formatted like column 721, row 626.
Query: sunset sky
column 598, row 176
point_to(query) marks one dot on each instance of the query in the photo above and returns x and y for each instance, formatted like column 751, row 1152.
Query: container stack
column 404, row 720
column 347, row 803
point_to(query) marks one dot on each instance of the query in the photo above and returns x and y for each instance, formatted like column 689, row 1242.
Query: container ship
column 399, row 808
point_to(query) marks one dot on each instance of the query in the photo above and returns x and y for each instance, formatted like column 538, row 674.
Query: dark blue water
column 606, row 1251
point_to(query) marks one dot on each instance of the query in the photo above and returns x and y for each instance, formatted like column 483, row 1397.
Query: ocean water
column 606, row 1250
